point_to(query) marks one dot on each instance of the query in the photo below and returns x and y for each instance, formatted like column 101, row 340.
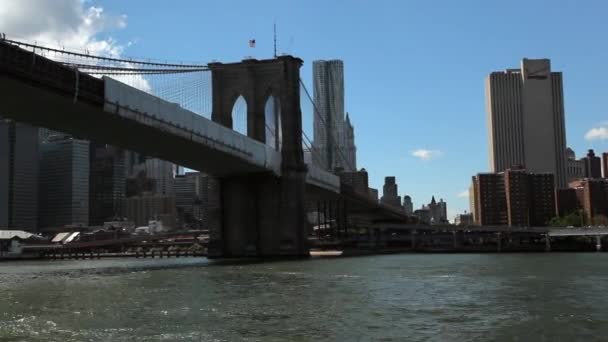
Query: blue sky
column 414, row 70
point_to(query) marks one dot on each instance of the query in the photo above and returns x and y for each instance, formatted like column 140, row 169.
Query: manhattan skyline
column 414, row 73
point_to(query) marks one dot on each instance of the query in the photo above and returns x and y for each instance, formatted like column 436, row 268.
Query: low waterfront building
column 148, row 206
column 465, row 219
column 12, row 242
column 514, row 198
column 591, row 196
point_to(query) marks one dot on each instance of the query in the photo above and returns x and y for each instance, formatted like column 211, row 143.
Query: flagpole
column 275, row 39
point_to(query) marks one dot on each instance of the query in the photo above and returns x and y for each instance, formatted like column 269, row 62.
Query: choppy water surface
column 508, row 297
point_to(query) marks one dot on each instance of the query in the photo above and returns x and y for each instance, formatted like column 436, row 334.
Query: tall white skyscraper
column 19, row 156
column 525, row 111
column 333, row 134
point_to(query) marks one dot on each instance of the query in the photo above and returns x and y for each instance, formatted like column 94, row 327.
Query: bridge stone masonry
column 260, row 215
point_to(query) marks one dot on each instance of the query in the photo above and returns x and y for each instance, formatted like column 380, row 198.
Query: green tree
column 570, row 220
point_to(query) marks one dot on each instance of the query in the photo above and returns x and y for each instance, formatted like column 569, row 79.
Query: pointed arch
column 272, row 119
column 239, row 115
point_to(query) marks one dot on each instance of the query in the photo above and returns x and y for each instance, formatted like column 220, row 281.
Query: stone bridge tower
column 260, row 214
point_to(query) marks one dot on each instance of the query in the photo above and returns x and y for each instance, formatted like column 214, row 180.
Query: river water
column 411, row 297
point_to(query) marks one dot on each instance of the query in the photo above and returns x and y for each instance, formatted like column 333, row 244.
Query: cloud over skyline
column 424, row 154
column 67, row 23
column 598, row 133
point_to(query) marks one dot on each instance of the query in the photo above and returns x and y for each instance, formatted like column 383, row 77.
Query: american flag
column 251, row 43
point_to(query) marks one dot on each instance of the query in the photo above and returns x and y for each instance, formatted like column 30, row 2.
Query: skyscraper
column 605, row 164
column 64, row 182
column 350, row 150
column 358, row 181
column 408, row 206
column 437, row 211
column 525, row 111
column 390, row 193
column 160, row 171
column 592, row 165
column 575, row 169
column 19, row 156
column 107, row 183
column 191, row 197
column 333, row 134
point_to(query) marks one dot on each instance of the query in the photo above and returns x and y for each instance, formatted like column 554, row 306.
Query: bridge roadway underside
column 42, row 107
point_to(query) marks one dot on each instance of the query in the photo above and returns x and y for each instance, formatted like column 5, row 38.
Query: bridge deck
column 45, row 93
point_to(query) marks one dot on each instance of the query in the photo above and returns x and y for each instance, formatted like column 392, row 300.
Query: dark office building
column 390, row 195
column 358, row 180
column 107, row 183
column 64, row 182
column 19, row 158
column 605, row 164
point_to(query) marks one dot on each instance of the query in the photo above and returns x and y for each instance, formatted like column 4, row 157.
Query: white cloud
column 424, row 154
column 68, row 24
column 463, row 194
column 598, row 133
column 65, row 23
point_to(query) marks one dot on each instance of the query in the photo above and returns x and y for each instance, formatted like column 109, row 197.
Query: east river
column 410, row 297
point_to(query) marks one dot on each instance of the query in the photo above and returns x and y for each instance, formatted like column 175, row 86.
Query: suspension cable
column 346, row 162
column 110, row 59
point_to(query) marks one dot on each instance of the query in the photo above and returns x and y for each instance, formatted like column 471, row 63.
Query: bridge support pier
column 260, row 215
column 457, row 239
column 413, row 238
column 499, row 242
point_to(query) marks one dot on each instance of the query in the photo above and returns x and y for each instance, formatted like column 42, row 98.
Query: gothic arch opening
column 272, row 118
column 239, row 115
